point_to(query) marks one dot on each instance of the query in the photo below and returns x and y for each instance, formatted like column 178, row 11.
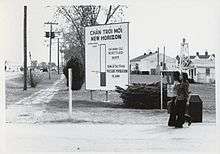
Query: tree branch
column 95, row 20
column 111, row 14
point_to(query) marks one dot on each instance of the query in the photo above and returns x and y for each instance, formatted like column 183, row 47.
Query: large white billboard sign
column 107, row 56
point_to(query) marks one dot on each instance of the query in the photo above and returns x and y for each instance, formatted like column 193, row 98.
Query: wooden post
column 161, row 90
column 50, row 51
column 58, row 56
column 163, row 68
column 158, row 57
column 91, row 96
column 25, row 48
column 51, row 37
column 70, row 92
column 106, row 96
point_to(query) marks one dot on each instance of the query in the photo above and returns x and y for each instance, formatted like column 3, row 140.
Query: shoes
column 171, row 125
column 178, row 126
column 188, row 119
column 189, row 122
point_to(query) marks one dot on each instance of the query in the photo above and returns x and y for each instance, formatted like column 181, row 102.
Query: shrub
column 77, row 73
column 143, row 96
column 34, row 77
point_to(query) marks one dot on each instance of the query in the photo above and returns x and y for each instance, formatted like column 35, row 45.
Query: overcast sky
column 153, row 23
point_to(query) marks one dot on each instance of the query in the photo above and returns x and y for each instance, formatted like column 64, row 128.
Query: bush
column 135, row 72
column 143, row 96
column 34, row 77
column 77, row 73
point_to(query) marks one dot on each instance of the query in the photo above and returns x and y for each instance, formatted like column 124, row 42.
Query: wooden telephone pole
column 25, row 48
column 51, row 36
column 164, row 63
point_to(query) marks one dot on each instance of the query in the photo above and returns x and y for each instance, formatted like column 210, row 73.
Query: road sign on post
column 107, row 56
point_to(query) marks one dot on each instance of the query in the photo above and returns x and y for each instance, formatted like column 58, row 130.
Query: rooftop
column 142, row 56
column 205, row 56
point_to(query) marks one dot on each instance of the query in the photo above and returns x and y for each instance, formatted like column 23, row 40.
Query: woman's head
column 184, row 76
column 176, row 76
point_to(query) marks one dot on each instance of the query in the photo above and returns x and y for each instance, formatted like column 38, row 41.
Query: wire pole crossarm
column 51, row 23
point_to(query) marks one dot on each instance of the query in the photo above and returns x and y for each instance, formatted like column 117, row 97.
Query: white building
column 147, row 63
column 202, row 68
column 12, row 66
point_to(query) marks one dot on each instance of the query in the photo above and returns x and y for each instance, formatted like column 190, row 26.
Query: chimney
column 145, row 54
column 206, row 53
column 150, row 53
column 197, row 53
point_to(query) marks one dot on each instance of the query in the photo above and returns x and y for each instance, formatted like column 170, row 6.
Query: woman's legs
column 172, row 118
column 180, row 111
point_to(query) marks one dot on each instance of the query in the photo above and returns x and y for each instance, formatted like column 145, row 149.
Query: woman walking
column 182, row 97
column 172, row 102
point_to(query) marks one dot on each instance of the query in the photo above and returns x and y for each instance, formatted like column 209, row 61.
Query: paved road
column 66, row 137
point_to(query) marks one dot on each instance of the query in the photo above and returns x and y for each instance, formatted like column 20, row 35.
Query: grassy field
column 96, row 110
column 15, row 92
column 14, row 87
column 207, row 95
column 81, row 98
column 205, row 91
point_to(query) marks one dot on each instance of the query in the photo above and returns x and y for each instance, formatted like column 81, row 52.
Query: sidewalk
column 33, row 106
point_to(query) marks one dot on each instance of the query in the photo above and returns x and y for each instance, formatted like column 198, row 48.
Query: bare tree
column 77, row 17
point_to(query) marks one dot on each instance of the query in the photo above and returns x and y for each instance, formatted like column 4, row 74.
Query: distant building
column 12, row 66
column 202, row 68
column 147, row 63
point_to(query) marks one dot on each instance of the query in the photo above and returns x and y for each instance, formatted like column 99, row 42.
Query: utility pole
column 51, row 36
column 50, row 50
column 158, row 57
column 25, row 48
column 58, row 56
column 158, row 61
column 164, row 64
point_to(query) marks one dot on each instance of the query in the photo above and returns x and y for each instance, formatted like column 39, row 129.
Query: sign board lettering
column 107, row 56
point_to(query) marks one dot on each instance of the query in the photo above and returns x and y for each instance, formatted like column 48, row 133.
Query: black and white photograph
column 110, row 76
